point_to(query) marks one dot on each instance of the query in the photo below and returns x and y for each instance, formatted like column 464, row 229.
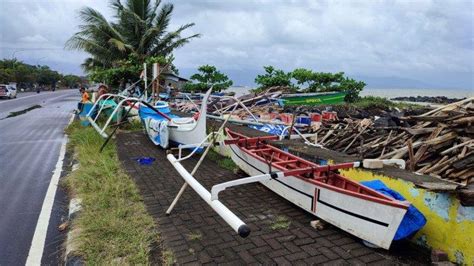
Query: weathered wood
column 432, row 186
column 455, row 147
column 411, row 156
column 463, row 120
column 419, row 131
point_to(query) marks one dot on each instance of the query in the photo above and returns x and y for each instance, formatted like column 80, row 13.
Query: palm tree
column 140, row 30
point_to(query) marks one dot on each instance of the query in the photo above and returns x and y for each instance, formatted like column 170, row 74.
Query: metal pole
column 145, row 77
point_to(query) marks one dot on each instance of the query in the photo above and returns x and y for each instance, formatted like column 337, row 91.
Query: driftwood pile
column 439, row 143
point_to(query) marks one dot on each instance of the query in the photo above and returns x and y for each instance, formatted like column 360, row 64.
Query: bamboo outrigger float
column 317, row 189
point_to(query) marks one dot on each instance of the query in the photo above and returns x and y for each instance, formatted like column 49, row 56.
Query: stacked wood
column 439, row 143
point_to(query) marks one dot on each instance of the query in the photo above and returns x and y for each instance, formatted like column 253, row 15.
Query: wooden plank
column 411, row 164
column 435, row 186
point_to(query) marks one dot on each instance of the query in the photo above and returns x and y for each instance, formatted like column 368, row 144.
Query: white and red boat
column 319, row 190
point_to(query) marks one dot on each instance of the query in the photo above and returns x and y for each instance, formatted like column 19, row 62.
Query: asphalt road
column 29, row 150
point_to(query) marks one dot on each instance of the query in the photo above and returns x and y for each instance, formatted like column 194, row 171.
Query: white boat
column 320, row 191
column 163, row 129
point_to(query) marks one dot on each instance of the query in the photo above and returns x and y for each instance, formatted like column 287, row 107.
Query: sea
column 391, row 93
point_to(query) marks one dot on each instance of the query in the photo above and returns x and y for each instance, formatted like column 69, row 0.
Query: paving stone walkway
column 197, row 235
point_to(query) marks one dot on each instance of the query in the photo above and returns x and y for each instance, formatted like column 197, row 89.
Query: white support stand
column 229, row 217
column 93, row 121
column 242, row 181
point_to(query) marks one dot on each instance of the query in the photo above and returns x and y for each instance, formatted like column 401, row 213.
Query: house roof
column 172, row 75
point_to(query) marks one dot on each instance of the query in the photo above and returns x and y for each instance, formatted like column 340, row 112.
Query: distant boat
column 317, row 98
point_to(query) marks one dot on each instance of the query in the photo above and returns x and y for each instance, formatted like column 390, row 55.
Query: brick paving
column 197, row 235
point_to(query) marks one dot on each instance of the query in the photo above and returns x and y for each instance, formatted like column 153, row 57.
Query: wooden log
column 411, row 164
column 419, row 131
column 463, row 120
column 437, row 186
column 444, row 161
column 352, row 142
column 386, row 142
column 455, row 147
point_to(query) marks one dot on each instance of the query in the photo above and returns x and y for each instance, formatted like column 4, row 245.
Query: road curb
column 71, row 256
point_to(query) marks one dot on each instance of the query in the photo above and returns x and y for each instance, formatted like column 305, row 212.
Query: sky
column 418, row 43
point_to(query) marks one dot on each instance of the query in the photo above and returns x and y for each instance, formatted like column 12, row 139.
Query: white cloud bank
column 431, row 41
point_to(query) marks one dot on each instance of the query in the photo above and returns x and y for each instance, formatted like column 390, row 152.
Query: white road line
column 29, row 96
column 12, row 100
column 37, row 244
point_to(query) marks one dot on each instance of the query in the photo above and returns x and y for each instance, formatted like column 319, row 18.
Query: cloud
column 424, row 40
column 37, row 38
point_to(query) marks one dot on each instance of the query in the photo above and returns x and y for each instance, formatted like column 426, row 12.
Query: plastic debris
column 145, row 160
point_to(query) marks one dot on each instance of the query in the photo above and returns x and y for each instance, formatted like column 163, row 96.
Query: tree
column 273, row 77
column 140, row 30
column 71, row 81
column 208, row 77
column 325, row 82
column 26, row 75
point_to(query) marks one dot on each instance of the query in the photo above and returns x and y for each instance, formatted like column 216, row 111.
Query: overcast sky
column 424, row 42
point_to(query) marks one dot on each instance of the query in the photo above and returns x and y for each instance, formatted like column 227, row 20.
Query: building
column 176, row 81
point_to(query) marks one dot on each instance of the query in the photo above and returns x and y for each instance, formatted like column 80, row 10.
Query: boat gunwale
column 383, row 199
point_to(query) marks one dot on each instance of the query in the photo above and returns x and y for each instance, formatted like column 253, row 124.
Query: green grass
column 113, row 221
column 168, row 257
column 194, row 236
column 222, row 161
column 133, row 125
column 281, row 222
column 379, row 102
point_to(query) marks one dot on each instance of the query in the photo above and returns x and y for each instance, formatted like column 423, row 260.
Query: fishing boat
column 164, row 128
column 320, row 190
column 317, row 98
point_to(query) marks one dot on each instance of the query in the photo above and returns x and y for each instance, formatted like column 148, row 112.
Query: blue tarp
column 413, row 220
column 271, row 129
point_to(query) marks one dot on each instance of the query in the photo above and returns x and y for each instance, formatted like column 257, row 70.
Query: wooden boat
column 320, row 190
column 312, row 98
column 165, row 128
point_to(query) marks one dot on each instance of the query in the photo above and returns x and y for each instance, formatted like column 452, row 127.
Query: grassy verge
column 222, row 161
column 379, row 102
column 114, row 224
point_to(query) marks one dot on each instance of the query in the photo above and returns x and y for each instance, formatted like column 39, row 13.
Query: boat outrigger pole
column 229, row 217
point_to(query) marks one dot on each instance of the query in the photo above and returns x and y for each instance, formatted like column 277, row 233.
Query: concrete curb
column 71, row 256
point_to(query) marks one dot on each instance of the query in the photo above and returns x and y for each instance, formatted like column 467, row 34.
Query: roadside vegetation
column 113, row 222
column 26, row 76
column 382, row 103
column 223, row 162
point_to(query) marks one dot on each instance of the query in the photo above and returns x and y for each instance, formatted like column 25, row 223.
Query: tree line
column 299, row 80
column 27, row 76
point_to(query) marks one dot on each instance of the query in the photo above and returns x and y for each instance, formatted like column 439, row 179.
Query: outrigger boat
column 163, row 128
column 316, row 98
column 319, row 190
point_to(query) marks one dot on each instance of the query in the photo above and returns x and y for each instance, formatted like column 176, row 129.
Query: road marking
column 29, row 96
column 16, row 99
column 37, row 244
